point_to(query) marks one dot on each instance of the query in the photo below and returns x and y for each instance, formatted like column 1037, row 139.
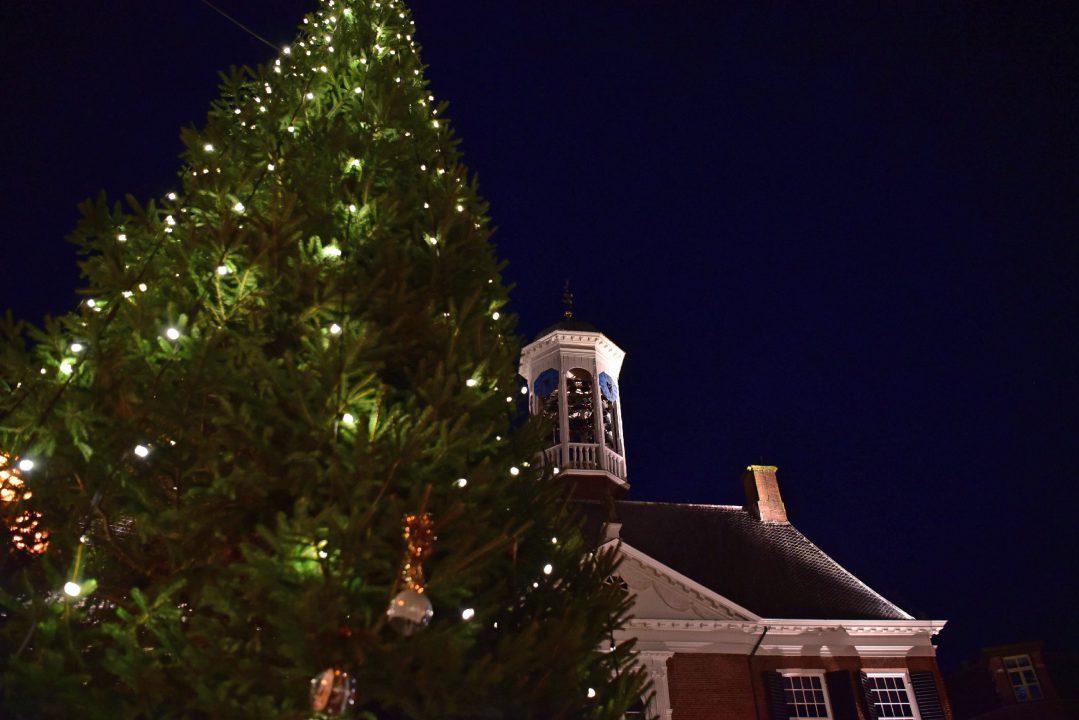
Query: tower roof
column 570, row 323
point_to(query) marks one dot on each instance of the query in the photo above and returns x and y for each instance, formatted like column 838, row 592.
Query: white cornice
column 791, row 627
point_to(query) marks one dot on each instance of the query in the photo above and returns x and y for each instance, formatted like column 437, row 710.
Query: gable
column 661, row 593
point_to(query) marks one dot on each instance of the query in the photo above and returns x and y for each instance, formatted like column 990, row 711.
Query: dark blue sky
column 841, row 239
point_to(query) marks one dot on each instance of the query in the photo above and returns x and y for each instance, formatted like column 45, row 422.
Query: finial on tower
column 567, row 300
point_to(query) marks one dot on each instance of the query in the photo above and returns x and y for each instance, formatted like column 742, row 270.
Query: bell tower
column 572, row 373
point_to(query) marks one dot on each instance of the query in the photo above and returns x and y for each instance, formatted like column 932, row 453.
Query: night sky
column 840, row 239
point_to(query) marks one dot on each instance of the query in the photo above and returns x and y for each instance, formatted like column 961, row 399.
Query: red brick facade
column 710, row 686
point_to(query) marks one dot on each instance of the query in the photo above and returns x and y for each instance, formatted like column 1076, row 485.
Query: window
column 805, row 696
column 636, row 711
column 1023, row 678
column 891, row 696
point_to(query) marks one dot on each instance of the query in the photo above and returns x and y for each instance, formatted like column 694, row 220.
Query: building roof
column 769, row 568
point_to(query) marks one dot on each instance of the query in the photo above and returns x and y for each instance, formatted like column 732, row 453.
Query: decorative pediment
column 661, row 593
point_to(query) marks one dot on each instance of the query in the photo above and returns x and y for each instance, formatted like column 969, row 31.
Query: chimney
column 762, row 494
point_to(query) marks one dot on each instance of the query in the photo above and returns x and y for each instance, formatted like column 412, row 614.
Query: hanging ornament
column 333, row 692
column 411, row 610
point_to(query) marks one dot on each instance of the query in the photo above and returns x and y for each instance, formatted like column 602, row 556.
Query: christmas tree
column 281, row 430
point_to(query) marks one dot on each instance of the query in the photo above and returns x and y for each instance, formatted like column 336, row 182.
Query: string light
column 26, row 465
column 468, row 614
column 548, row 569
column 514, row 471
column 239, row 207
column 172, row 334
column 591, row 692
column 142, row 451
column 471, row 382
column 72, row 588
column 495, row 315
column 208, row 147
column 122, row 237
column 65, row 367
column 335, row 329
column 222, row 270
column 331, row 251
column 461, row 482
column 348, row 419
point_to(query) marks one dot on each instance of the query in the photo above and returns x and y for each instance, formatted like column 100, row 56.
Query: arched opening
column 580, row 406
column 608, row 390
column 545, row 388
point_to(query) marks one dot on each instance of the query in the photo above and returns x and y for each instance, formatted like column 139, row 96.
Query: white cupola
column 572, row 373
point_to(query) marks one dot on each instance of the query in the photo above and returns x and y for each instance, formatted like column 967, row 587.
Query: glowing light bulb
column 460, row 208
column 556, row 471
column 554, row 541
column 76, row 347
column 222, row 270
column 335, row 329
column 171, row 196
column 65, row 367
column 348, row 419
column 72, row 588
column 310, row 96
column 292, row 128
column 434, row 123
column 26, row 465
column 270, row 167
column 468, row 614
column 239, row 207
column 142, row 287
column 352, row 208
column 591, row 692
column 172, row 334
column 323, row 554
column 358, row 90
column 287, row 50
column 142, row 451
column 524, row 390
column 461, row 482
column 170, row 220
column 471, row 382
column 208, row 147
column 514, row 471
column 548, row 569
column 331, row 251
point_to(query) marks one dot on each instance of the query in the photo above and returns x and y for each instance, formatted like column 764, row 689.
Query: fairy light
column 239, row 207
column 524, row 390
column 172, row 334
column 171, row 196
column 122, row 237
column 548, row 569
column 348, row 419
column 222, row 270
column 591, row 692
column 331, row 251
column 495, row 315
column 66, row 368
column 472, row 382
column 142, row 287
column 468, row 614
column 461, row 482
column 514, row 471
column 335, row 329
column 142, row 451
column 72, row 589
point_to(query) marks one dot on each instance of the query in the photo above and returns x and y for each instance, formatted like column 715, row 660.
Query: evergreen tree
column 205, row 470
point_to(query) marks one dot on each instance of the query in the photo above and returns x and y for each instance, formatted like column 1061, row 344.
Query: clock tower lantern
column 572, row 373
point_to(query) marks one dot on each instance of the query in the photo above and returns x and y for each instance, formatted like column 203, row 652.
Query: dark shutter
column 841, row 695
column 777, row 699
column 925, row 690
column 870, row 706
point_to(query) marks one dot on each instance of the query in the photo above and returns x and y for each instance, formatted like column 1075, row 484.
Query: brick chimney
column 762, row 494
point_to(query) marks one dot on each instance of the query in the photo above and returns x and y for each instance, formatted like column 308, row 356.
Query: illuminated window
column 805, row 696
column 891, row 696
column 1023, row 678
